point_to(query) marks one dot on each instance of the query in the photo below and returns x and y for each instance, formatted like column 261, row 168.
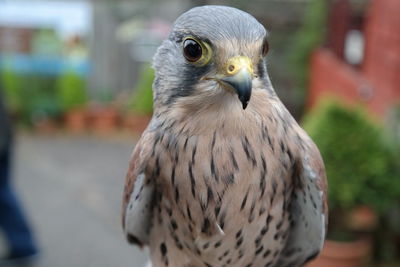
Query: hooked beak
column 239, row 76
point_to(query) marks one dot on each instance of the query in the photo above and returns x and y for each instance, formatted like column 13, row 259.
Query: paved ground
column 71, row 189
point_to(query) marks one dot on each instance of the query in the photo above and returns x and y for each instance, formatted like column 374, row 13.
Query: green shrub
column 41, row 98
column 71, row 90
column 30, row 96
column 142, row 100
column 361, row 170
column 12, row 86
column 358, row 164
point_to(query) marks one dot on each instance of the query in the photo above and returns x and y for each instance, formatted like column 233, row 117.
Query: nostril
column 231, row 68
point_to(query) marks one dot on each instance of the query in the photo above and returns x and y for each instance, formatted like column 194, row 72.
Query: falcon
column 223, row 175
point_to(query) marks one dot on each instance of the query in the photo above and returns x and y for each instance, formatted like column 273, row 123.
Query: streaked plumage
column 217, row 180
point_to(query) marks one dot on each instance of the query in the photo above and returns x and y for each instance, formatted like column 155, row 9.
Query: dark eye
column 265, row 48
column 192, row 50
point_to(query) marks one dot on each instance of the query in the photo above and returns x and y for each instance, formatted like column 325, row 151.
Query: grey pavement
column 71, row 189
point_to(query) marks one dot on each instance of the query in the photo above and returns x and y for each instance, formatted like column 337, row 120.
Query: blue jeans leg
column 12, row 219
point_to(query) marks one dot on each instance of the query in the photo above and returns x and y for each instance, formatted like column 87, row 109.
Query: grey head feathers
column 222, row 28
column 219, row 23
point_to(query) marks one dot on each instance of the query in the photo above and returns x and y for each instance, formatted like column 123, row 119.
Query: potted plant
column 41, row 105
column 140, row 106
column 72, row 98
column 104, row 113
column 360, row 181
column 44, row 113
column 11, row 84
column 18, row 100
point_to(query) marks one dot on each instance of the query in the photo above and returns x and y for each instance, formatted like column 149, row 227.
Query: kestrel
column 223, row 175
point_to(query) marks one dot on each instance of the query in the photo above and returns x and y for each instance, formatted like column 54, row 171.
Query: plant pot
column 105, row 120
column 362, row 219
column 344, row 254
column 136, row 123
column 76, row 120
column 46, row 126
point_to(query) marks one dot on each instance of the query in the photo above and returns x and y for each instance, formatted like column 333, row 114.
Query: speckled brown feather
column 209, row 184
column 212, row 184
column 135, row 175
column 130, row 179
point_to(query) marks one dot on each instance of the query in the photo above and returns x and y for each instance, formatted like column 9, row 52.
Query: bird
column 223, row 175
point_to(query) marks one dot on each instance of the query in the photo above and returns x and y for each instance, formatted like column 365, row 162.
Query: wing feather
column 309, row 209
column 138, row 197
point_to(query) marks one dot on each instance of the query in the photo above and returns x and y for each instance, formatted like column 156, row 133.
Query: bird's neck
column 220, row 112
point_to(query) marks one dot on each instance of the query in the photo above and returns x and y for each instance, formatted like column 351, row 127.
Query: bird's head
column 212, row 53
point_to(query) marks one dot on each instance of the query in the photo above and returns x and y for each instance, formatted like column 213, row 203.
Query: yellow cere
column 235, row 64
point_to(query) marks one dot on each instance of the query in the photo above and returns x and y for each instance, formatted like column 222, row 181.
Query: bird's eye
column 265, row 48
column 192, row 50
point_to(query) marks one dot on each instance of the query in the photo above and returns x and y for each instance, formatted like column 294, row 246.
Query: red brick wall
column 378, row 82
column 382, row 54
column 15, row 39
column 333, row 77
column 338, row 25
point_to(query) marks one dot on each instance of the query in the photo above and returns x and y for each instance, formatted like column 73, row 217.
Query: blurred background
column 75, row 78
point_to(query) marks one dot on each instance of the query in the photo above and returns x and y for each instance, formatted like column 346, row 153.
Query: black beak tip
column 245, row 101
column 242, row 86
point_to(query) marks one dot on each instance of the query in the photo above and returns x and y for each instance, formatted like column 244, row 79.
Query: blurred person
column 13, row 224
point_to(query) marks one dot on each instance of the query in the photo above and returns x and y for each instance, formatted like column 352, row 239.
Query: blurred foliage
column 46, row 42
column 30, row 97
column 310, row 35
column 142, row 100
column 104, row 96
column 71, row 90
column 12, row 90
column 358, row 163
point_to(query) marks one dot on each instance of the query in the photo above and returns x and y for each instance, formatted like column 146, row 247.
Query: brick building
column 376, row 80
column 14, row 39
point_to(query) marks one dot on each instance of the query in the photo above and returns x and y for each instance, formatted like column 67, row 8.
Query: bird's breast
column 215, row 189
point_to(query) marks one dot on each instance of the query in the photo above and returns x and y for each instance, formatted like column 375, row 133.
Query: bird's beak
column 239, row 75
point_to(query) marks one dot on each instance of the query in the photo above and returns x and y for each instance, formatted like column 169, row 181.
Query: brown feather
column 130, row 179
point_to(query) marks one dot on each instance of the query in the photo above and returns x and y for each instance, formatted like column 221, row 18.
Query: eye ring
column 265, row 48
column 192, row 50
